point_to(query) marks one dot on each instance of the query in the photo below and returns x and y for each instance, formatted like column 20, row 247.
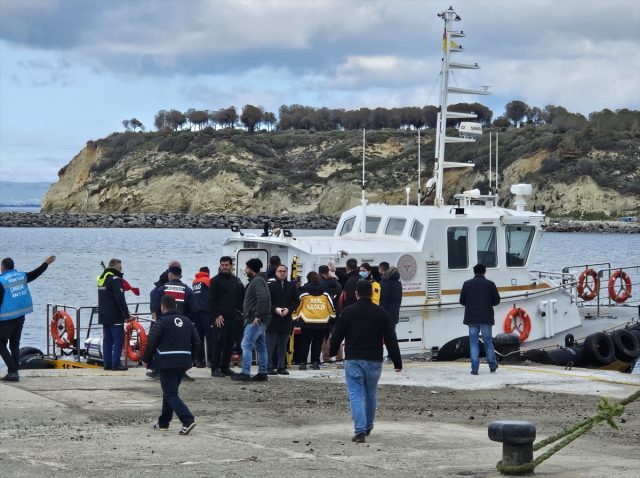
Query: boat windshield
column 416, row 230
column 486, row 241
column 373, row 222
column 518, row 240
column 395, row 226
column 457, row 247
column 347, row 226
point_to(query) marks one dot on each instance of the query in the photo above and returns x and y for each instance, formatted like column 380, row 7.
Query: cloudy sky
column 72, row 70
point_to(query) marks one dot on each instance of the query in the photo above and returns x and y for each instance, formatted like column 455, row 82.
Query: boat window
column 486, row 243
column 373, row 222
column 457, row 247
column 518, row 244
column 395, row 226
column 416, row 230
column 347, row 226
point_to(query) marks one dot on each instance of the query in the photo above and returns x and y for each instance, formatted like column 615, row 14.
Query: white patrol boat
column 436, row 246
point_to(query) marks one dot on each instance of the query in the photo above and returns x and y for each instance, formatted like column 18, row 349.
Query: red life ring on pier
column 62, row 329
column 519, row 322
column 625, row 291
column 135, row 353
column 586, row 290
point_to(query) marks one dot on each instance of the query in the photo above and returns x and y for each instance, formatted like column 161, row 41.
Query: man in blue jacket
column 112, row 314
column 479, row 296
column 173, row 341
column 15, row 303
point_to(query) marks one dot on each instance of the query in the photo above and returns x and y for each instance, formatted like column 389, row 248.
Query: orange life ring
column 63, row 333
column 518, row 320
column 135, row 354
column 625, row 292
column 586, row 291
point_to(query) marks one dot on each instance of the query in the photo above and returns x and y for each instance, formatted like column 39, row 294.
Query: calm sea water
column 146, row 252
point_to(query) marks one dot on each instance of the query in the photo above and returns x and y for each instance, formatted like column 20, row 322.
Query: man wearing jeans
column 479, row 296
column 363, row 326
column 257, row 314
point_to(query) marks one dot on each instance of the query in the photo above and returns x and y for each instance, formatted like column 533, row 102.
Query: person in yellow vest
column 314, row 312
column 365, row 273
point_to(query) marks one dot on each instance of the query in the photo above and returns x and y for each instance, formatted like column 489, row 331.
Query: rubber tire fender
column 599, row 349
column 24, row 351
column 626, row 345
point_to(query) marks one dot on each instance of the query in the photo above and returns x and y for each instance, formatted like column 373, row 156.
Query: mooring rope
column 606, row 413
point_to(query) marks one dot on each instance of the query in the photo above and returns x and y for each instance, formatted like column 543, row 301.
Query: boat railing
column 85, row 319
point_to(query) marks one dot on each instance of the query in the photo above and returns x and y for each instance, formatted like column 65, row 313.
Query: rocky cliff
column 298, row 172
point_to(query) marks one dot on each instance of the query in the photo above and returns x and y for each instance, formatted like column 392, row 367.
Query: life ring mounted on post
column 135, row 353
column 518, row 322
column 588, row 289
column 62, row 329
column 624, row 291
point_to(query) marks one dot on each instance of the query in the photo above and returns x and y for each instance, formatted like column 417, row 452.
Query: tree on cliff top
column 251, row 116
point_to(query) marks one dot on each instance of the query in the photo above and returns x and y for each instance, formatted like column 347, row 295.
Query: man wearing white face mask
column 365, row 274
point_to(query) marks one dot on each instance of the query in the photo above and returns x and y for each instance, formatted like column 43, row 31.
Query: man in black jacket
column 173, row 342
column 363, row 326
column 201, row 314
column 391, row 292
column 225, row 304
column 112, row 314
column 284, row 300
column 350, row 281
column 479, row 296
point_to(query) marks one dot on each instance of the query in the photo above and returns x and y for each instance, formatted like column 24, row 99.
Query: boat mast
column 419, row 171
column 363, row 200
column 449, row 46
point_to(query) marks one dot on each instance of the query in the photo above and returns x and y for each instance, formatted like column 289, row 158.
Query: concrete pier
column 432, row 421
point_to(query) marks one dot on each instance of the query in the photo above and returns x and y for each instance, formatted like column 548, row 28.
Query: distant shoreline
column 225, row 221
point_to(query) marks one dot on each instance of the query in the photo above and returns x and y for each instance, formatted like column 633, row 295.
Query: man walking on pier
column 112, row 314
column 173, row 342
column 479, row 296
column 363, row 326
column 15, row 303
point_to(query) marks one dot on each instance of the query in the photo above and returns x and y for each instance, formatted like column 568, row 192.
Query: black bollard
column 517, row 439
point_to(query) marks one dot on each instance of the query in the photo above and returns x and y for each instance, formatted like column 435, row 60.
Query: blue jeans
column 170, row 379
column 362, row 381
column 254, row 335
column 112, row 343
column 474, row 334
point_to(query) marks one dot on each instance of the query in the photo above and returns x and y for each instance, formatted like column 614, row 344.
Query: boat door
column 244, row 255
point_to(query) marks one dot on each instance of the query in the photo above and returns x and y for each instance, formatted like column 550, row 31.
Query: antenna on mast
column 363, row 200
column 490, row 186
column 419, row 171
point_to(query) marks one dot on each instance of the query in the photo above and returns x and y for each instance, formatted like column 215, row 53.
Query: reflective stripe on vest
column 16, row 301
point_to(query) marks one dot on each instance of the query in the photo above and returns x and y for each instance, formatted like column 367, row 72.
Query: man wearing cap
column 201, row 314
column 257, row 314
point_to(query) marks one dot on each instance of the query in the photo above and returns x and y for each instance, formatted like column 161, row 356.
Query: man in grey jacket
column 257, row 314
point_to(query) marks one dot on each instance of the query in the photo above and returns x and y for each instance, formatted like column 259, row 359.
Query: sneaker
column 228, row 372
column 186, row 429
column 283, row 371
column 303, row 366
column 120, row 368
column 358, row 438
column 260, row 377
column 273, row 371
column 11, row 377
column 315, row 366
column 187, row 378
column 493, row 370
column 154, row 374
column 240, row 377
column 474, row 372
column 216, row 372
column 160, row 428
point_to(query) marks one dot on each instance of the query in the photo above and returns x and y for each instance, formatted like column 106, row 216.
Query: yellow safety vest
column 315, row 309
column 375, row 292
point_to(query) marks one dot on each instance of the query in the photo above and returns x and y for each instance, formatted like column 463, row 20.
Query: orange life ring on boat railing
column 518, row 320
column 625, row 292
column 585, row 290
column 141, row 341
column 63, row 333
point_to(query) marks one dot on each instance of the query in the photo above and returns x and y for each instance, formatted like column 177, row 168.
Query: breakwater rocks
column 568, row 225
column 178, row 221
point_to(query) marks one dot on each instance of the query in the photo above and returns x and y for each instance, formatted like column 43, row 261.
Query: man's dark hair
column 479, row 269
column 352, row 264
column 323, row 270
column 366, row 266
column 8, row 264
column 226, row 259
column 383, row 266
column 313, row 278
column 168, row 302
column 274, row 261
column 363, row 288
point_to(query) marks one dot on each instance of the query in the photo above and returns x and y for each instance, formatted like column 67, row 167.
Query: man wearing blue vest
column 15, row 303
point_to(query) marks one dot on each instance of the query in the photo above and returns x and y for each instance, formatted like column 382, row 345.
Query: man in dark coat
column 348, row 296
column 173, row 342
column 391, row 292
column 364, row 326
column 112, row 314
column 479, row 296
column 201, row 313
column 225, row 304
column 284, row 300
